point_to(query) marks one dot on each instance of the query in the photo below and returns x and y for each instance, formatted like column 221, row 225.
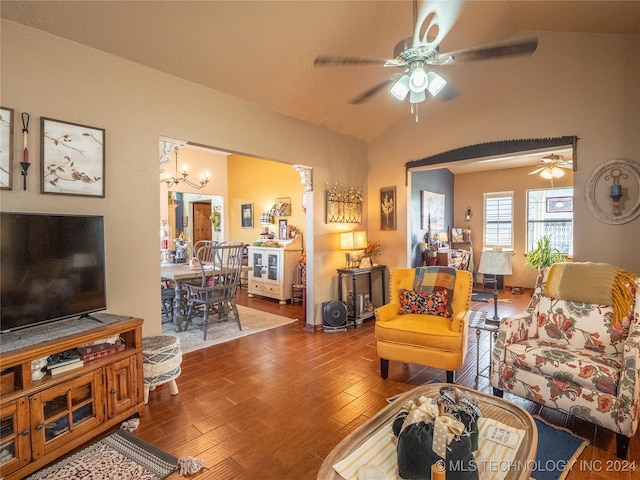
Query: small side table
column 354, row 273
column 481, row 325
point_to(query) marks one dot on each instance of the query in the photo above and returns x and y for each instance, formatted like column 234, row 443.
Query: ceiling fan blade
column 538, row 170
column 434, row 21
column 365, row 96
column 513, row 48
column 331, row 61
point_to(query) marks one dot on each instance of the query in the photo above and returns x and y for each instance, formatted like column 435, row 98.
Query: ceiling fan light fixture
column 400, row 88
column 436, row 83
column 418, row 81
column 551, row 172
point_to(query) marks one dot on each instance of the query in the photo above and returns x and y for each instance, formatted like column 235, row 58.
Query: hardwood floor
column 272, row 405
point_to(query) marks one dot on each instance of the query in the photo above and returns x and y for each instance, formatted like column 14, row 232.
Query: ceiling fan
column 552, row 167
column 417, row 55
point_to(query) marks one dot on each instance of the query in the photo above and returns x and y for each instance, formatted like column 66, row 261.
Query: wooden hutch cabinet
column 272, row 270
column 40, row 420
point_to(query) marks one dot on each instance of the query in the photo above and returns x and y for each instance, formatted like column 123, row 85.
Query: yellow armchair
column 422, row 339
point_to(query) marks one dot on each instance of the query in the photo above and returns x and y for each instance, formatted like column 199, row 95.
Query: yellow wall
column 259, row 182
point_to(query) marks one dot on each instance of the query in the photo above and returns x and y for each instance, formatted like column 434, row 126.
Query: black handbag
column 420, row 421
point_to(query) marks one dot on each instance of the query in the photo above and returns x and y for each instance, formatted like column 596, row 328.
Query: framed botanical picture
column 6, row 148
column 72, row 158
column 388, row 208
column 432, row 211
column 246, row 214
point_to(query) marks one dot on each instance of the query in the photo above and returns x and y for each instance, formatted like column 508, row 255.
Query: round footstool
column 161, row 357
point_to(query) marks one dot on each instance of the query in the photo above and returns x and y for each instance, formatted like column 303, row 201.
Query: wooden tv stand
column 43, row 419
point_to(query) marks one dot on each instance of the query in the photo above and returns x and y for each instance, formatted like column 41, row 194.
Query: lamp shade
column 265, row 218
column 346, row 241
column 436, row 83
column 353, row 240
column 359, row 240
column 443, row 237
column 400, row 88
column 495, row 263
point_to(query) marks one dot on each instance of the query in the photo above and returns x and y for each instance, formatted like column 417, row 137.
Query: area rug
column 252, row 321
column 558, row 449
column 120, row 455
column 481, row 296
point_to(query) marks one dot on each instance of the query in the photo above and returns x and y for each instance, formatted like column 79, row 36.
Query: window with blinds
column 550, row 214
column 498, row 220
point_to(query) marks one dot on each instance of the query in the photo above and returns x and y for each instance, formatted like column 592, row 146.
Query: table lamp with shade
column 443, row 238
column 495, row 263
column 355, row 243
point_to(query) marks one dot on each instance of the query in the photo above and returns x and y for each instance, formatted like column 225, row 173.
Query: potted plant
column 544, row 254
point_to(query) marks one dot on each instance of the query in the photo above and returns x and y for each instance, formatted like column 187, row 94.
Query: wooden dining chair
column 220, row 266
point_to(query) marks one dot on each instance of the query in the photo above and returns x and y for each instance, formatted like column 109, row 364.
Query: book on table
column 100, row 350
column 66, row 367
column 63, row 358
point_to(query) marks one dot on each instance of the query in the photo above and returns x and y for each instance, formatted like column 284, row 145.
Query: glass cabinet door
column 272, row 273
column 68, row 409
column 257, row 265
column 14, row 436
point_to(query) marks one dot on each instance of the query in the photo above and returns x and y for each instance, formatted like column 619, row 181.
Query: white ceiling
column 263, row 51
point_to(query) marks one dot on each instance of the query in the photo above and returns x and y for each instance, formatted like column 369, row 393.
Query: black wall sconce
column 468, row 214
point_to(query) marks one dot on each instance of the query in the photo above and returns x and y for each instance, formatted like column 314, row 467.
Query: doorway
column 201, row 214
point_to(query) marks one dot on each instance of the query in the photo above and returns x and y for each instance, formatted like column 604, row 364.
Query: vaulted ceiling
column 263, row 51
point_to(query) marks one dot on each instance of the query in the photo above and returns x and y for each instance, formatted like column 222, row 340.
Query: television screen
column 51, row 267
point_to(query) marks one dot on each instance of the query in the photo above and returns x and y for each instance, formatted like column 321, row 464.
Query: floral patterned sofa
column 578, row 357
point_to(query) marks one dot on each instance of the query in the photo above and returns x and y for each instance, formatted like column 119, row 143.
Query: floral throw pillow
column 436, row 303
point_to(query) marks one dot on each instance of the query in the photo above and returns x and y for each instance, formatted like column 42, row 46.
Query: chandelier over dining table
column 182, row 178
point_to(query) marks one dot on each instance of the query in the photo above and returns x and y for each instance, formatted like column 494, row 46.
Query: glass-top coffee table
column 492, row 407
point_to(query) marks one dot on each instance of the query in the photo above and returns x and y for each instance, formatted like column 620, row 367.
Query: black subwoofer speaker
column 334, row 316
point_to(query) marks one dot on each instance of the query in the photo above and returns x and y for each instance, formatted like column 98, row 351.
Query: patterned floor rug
column 120, row 455
column 558, row 449
column 252, row 321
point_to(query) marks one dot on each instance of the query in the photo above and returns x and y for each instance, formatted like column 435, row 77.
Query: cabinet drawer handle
column 113, row 391
column 40, row 426
column 25, row 432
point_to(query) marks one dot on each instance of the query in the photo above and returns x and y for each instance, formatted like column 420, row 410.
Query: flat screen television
column 51, row 267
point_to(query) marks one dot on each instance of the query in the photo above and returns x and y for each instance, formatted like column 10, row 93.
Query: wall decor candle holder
column 616, row 181
column 25, row 167
column 616, row 189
